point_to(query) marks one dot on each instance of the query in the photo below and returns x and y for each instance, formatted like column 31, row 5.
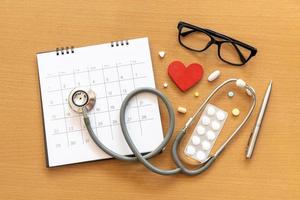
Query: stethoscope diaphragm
column 80, row 98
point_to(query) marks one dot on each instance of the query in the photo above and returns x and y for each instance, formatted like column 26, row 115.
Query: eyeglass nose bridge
column 215, row 42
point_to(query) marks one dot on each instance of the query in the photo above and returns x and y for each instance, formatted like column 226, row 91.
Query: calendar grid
column 103, row 126
column 62, row 98
column 94, row 115
column 80, row 121
column 105, row 88
column 136, row 98
column 63, row 88
column 98, row 98
column 111, row 73
column 98, row 112
column 57, row 90
column 119, row 82
column 134, row 76
column 85, row 71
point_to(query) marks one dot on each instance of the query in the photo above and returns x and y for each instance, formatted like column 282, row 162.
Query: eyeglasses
column 230, row 51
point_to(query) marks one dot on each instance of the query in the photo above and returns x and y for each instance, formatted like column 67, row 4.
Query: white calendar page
column 112, row 72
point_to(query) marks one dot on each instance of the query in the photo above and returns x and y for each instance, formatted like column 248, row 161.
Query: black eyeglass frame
column 211, row 34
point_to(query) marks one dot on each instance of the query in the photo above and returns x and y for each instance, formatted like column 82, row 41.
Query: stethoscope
column 82, row 101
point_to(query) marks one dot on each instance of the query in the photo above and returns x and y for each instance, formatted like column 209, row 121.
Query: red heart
column 185, row 77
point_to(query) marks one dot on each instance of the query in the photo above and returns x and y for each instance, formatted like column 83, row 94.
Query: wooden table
column 273, row 27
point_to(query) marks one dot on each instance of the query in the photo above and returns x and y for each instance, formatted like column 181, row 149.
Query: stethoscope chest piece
column 80, row 98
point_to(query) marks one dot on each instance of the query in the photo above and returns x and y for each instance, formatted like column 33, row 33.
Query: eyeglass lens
column 234, row 53
column 193, row 39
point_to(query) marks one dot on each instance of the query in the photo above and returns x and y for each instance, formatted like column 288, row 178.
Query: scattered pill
column 201, row 155
column 235, row 112
column 181, row 110
column 165, row 84
column 240, row 83
column 161, row 54
column 196, row 94
column 214, row 75
column 200, row 130
column 230, row 94
column 190, row 150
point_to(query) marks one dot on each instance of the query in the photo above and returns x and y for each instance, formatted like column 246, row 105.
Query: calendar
column 111, row 70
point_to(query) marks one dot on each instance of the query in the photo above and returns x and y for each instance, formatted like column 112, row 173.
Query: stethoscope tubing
column 138, row 155
column 144, row 158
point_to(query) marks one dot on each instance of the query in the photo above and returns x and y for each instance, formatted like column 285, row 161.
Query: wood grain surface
column 28, row 27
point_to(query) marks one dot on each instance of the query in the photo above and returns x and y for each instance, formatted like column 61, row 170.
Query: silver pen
column 256, row 128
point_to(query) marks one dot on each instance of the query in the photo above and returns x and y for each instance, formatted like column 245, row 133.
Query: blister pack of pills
column 205, row 133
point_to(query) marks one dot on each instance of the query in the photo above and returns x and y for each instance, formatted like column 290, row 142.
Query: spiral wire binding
column 119, row 43
column 70, row 50
column 64, row 50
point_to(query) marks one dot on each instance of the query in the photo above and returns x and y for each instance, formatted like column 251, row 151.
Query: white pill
column 200, row 130
column 165, row 84
column 206, row 145
column 190, row 150
column 161, row 54
column 215, row 125
column 214, row 75
column 205, row 120
column 195, row 140
column 181, row 110
column 220, row 116
column 211, row 111
column 201, row 155
column 230, row 94
column 210, row 135
column 240, row 83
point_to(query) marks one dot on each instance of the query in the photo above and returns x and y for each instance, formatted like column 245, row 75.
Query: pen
column 256, row 128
